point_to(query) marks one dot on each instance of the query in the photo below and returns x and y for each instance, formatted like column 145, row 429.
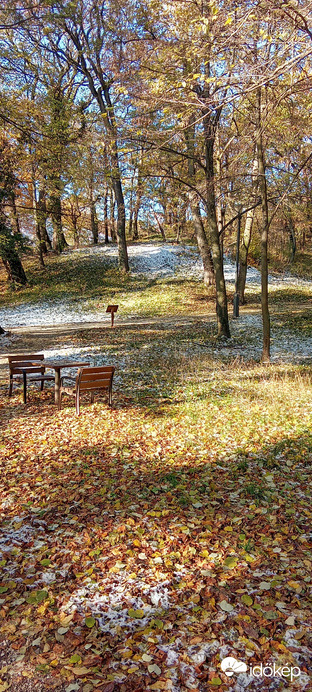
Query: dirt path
column 44, row 338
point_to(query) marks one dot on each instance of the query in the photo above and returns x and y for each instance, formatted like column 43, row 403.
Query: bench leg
column 110, row 397
column 24, row 387
column 11, row 385
column 77, row 403
column 57, row 385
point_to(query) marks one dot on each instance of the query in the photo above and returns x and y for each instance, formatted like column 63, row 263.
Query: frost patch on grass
column 285, row 346
column 149, row 259
column 7, row 339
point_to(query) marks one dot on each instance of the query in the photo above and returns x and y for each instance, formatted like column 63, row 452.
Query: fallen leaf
column 230, row 562
column 139, row 613
column 264, row 585
column 146, row 658
column 154, row 669
column 227, row 607
column 81, row 670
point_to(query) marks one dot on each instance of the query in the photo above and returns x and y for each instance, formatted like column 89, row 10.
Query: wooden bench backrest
column 17, row 363
column 95, row 378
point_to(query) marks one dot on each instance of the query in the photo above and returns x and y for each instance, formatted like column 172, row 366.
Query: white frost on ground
column 163, row 261
column 122, row 601
column 285, row 346
column 113, row 602
column 154, row 260
column 17, row 532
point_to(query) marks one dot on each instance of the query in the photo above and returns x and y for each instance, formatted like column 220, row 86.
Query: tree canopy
column 177, row 115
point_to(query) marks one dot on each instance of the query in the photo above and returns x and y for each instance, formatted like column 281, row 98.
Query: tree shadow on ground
column 165, row 553
column 158, row 391
column 297, row 296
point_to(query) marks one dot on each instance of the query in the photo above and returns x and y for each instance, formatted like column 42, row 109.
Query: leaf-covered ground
column 142, row 545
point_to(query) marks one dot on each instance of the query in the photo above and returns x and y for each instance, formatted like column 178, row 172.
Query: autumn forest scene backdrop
column 157, row 156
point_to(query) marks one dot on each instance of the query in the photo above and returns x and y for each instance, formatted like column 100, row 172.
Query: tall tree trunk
column 214, row 238
column 93, row 215
column 106, row 214
column 136, row 209
column 42, row 220
column 76, row 233
column 14, row 268
column 218, row 185
column 9, row 254
column 130, row 220
column 135, row 234
column 112, row 217
column 121, row 226
column 94, row 223
column 264, row 233
column 203, row 245
column 182, row 216
column 179, row 230
column 131, row 208
column 59, row 242
column 243, row 255
column 200, row 234
column 15, row 214
column 160, row 226
column 164, row 206
column 37, row 225
column 292, row 237
column 110, row 124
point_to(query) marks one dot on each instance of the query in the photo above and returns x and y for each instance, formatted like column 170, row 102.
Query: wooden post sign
column 112, row 309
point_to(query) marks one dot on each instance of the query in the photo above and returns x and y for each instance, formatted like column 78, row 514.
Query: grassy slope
column 197, row 481
column 74, row 278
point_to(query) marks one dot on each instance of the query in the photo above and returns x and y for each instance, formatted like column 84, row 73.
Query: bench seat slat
column 33, row 378
column 95, row 376
column 97, row 369
column 92, row 385
column 28, row 369
column 24, row 357
column 103, row 384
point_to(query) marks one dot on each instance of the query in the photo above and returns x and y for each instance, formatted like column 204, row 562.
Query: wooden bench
column 89, row 379
column 25, row 368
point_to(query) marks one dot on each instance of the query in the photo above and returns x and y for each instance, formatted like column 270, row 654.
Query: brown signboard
column 112, row 309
